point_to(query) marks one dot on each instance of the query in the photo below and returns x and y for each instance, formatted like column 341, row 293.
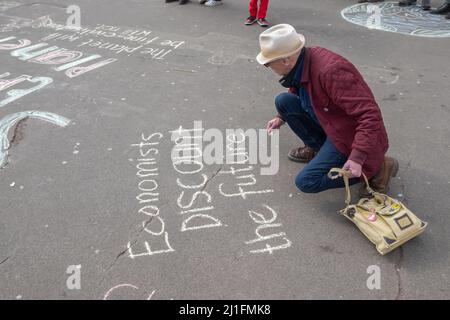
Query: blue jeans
column 314, row 176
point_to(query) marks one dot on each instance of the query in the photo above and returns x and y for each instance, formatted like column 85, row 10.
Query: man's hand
column 354, row 168
column 275, row 123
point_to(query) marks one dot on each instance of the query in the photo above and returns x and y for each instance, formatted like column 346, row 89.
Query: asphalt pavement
column 89, row 188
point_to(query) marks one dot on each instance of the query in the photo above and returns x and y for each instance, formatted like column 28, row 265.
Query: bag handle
column 345, row 174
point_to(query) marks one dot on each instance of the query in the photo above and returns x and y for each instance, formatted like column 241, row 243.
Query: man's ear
column 286, row 61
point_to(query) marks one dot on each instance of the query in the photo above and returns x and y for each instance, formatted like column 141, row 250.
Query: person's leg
column 443, row 9
column 314, row 176
column 407, row 2
column 253, row 8
column 426, row 4
column 289, row 107
column 263, row 4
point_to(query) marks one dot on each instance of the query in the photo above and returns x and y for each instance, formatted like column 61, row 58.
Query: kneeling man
column 331, row 109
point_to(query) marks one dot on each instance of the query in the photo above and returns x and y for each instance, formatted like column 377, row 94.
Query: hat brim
column 264, row 60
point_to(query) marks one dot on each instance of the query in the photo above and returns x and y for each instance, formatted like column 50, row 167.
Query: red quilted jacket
column 345, row 108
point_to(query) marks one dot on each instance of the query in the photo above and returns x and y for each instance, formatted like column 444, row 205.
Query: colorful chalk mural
column 388, row 16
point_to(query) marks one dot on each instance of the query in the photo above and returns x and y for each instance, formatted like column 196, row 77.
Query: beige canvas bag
column 382, row 219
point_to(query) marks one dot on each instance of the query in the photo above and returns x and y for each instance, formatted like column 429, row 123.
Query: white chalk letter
column 74, row 280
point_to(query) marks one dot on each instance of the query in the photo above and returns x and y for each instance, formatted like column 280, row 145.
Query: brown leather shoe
column 302, row 154
column 380, row 182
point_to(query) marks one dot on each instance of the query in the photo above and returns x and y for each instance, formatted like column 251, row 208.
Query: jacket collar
column 306, row 66
column 292, row 79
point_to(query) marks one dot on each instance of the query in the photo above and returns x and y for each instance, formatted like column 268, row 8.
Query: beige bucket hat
column 278, row 42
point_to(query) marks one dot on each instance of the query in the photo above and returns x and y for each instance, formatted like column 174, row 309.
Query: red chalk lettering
column 12, row 46
column 60, row 56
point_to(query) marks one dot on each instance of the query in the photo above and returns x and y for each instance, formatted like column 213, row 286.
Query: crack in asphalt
column 138, row 233
column 132, row 243
column 7, row 258
column 398, row 268
column 212, row 177
column 402, row 183
column 113, row 263
column 18, row 134
column 146, row 223
column 399, row 263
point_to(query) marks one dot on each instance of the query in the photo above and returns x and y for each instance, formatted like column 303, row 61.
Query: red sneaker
column 250, row 20
column 263, row 22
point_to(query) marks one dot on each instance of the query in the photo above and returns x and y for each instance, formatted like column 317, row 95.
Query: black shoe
column 426, row 8
column 184, row 1
column 404, row 3
column 445, row 8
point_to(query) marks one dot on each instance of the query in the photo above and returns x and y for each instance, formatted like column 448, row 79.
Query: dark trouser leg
column 314, row 176
column 289, row 107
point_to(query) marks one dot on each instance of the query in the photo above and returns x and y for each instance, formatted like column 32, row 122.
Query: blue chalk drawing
column 388, row 16
column 9, row 121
